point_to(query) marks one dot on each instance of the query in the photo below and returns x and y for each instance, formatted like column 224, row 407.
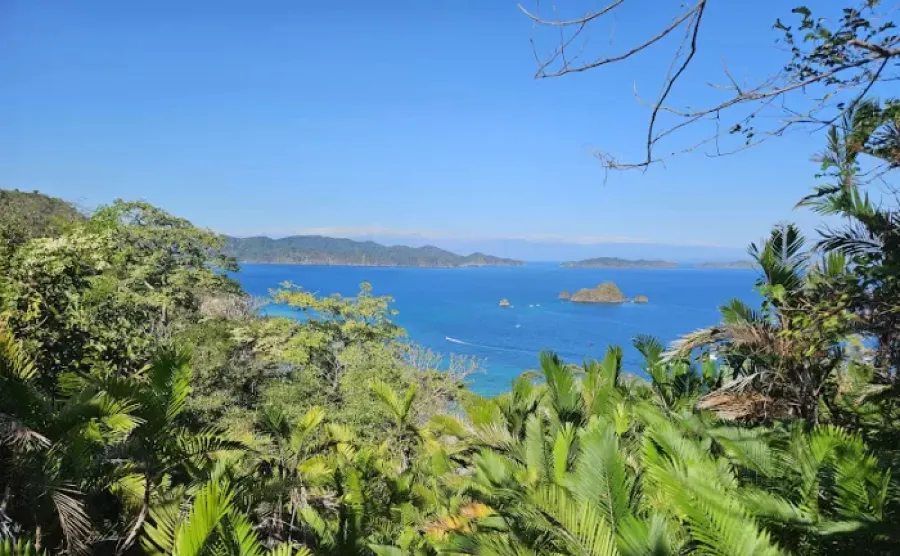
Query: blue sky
column 390, row 119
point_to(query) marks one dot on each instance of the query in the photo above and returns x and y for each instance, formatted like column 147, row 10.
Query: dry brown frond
column 737, row 406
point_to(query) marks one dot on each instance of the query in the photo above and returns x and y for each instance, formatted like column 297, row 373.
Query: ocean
column 456, row 310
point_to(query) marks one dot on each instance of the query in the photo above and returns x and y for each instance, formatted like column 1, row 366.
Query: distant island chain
column 322, row 250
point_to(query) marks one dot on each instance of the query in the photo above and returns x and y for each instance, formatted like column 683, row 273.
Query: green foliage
column 26, row 216
column 823, row 49
column 21, row 547
column 869, row 239
column 332, row 324
column 233, row 366
column 145, row 407
column 103, row 292
column 786, row 352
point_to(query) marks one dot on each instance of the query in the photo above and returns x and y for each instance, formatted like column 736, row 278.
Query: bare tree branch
column 830, row 70
column 694, row 28
column 581, row 23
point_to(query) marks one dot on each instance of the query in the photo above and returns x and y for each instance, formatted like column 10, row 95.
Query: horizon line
column 378, row 234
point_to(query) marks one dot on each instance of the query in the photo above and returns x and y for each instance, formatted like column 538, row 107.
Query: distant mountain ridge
column 321, row 250
column 559, row 250
column 615, row 262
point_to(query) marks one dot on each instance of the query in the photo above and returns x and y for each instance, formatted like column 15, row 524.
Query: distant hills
column 321, row 250
column 556, row 250
column 25, row 215
column 615, row 262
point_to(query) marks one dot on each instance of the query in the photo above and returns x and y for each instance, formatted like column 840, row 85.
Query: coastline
column 371, row 265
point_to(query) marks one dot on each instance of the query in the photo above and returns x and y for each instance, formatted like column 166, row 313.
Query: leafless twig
column 845, row 68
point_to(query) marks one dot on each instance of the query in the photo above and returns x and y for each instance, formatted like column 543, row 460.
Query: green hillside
column 320, row 250
column 25, row 216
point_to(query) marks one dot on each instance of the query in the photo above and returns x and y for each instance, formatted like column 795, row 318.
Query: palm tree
column 645, row 480
column 781, row 356
column 48, row 447
column 676, row 382
column 583, row 487
column 87, row 465
column 870, row 236
column 212, row 524
column 288, row 473
column 159, row 450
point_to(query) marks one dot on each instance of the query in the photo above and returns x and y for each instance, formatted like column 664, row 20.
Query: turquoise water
column 455, row 310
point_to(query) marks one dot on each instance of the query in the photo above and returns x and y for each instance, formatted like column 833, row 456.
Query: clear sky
column 277, row 117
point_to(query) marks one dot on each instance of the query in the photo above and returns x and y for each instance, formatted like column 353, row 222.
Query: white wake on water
column 485, row 346
column 569, row 354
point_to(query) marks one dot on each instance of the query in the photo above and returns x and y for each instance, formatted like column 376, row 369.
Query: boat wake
column 485, row 346
column 568, row 354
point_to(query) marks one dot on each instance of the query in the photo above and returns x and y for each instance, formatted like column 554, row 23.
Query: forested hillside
column 27, row 215
column 147, row 405
column 147, row 408
column 320, row 250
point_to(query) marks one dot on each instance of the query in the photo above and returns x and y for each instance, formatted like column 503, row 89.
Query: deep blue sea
column 455, row 310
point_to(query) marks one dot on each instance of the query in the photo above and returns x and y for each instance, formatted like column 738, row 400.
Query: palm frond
column 650, row 347
column 782, row 257
column 582, row 529
column 738, row 312
column 20, row 547
column 536, row 451
column 600, row 479
column 561, row 384
column 389, row 398
column 170, row 533
column 73, row 519
column 170, row 376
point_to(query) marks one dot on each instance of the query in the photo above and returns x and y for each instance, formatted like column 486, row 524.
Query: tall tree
column 104, row 291
column 781, row 356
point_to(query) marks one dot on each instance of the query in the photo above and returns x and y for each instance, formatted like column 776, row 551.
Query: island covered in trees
column 615, row 262
column 321, row 250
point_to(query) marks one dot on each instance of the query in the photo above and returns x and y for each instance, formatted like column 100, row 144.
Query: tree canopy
column 147, row 406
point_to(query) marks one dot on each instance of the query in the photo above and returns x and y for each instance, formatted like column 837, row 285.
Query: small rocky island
column 565, row 294
column 640, row 299
column 504, row 302
column 606, row 292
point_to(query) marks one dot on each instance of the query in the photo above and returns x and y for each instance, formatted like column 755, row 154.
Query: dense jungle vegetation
column 146, row 407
